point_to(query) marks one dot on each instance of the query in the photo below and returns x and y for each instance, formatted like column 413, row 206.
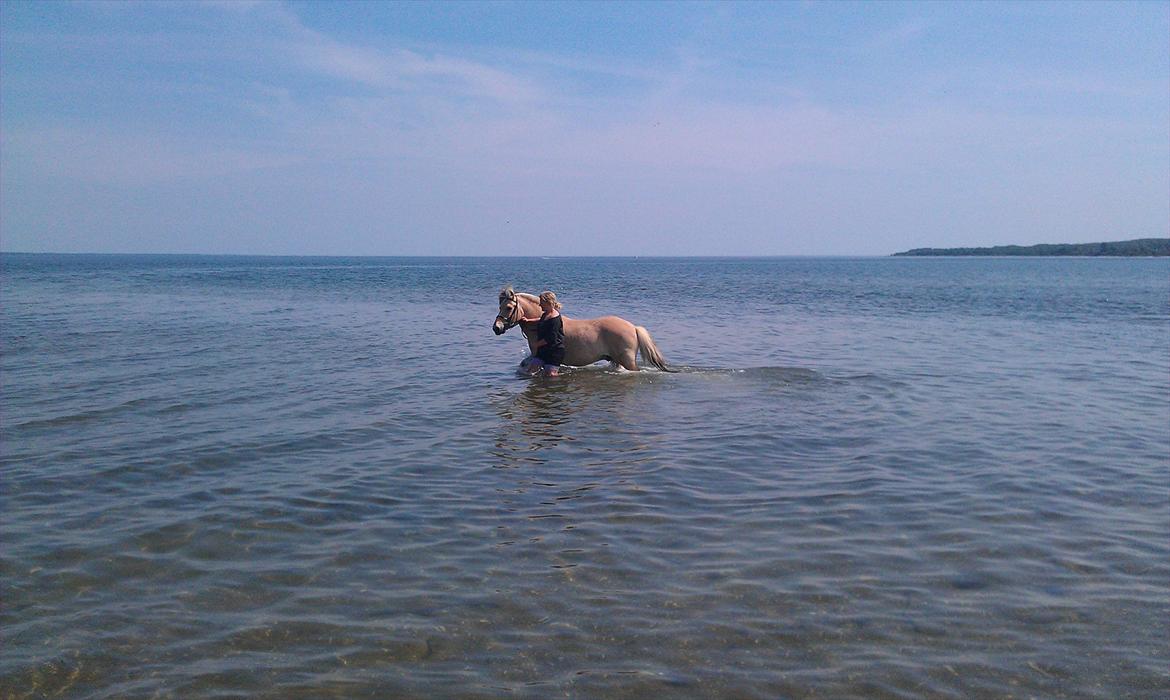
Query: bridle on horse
column 513, row 315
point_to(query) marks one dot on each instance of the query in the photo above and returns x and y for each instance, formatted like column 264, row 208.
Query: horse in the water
column 586, row 341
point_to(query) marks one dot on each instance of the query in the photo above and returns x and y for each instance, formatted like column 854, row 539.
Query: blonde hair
column 551, row 298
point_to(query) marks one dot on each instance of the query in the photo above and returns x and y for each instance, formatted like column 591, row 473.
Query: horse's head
column 509, row 311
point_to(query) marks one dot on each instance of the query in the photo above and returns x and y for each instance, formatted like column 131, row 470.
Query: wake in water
column 787, row 375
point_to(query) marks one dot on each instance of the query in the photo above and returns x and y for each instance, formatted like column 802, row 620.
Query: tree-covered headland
column 1142, row 247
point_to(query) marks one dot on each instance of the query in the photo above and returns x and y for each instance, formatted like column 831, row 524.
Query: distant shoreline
column 1141, row 247
column 1146, row 247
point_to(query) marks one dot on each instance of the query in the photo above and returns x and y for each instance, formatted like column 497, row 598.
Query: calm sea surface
column 322, row 477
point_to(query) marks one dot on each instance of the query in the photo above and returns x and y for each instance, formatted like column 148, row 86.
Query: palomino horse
column 586, row 341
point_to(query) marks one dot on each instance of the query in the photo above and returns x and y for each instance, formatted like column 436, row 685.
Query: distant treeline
column 1139, row 247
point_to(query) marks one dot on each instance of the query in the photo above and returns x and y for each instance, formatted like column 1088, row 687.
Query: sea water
column 322, row 477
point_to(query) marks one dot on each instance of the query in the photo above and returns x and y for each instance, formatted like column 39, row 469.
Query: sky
column 635, row 128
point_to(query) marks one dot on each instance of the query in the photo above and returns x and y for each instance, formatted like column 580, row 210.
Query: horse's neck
column 529, row 304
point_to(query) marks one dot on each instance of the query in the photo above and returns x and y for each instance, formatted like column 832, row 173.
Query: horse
column 609, row 338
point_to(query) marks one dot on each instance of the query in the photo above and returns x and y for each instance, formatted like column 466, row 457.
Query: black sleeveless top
column 552, row 332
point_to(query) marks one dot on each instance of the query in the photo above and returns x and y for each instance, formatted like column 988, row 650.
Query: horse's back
column 592, row 339
column 602, row 327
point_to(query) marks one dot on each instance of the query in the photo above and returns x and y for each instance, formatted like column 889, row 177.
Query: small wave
column 783, row 374
column 791, row 374
column 86, row 416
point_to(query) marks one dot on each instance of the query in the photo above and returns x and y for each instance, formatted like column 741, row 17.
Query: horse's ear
column 507, row 293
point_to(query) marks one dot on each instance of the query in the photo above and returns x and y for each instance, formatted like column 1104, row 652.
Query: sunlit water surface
column 306, row 478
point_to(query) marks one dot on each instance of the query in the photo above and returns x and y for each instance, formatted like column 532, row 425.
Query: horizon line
column 432, row 255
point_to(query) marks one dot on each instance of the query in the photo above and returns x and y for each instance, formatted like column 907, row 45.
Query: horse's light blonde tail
column 649, row 350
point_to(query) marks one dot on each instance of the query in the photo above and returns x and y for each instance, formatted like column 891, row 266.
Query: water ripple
column 267, row 479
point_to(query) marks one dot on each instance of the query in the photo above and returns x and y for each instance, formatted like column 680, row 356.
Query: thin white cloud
column 402, row 68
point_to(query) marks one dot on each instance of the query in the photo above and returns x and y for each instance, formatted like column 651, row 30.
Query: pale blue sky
column 642, row 128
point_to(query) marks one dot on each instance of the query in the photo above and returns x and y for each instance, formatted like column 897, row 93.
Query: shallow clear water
column 271, row 477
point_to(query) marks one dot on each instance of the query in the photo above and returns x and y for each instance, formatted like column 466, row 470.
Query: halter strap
column 508, row 322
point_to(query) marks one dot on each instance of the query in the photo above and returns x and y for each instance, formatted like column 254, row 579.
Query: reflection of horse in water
column 594, row 407
column 535, row 420
column 586, row 341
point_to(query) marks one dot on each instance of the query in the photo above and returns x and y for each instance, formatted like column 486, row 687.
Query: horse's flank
column 587, row 341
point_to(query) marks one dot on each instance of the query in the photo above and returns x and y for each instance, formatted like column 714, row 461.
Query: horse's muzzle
column 498, row 328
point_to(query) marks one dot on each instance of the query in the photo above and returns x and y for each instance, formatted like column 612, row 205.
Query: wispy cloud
column 402, row 69
column 399, row 69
